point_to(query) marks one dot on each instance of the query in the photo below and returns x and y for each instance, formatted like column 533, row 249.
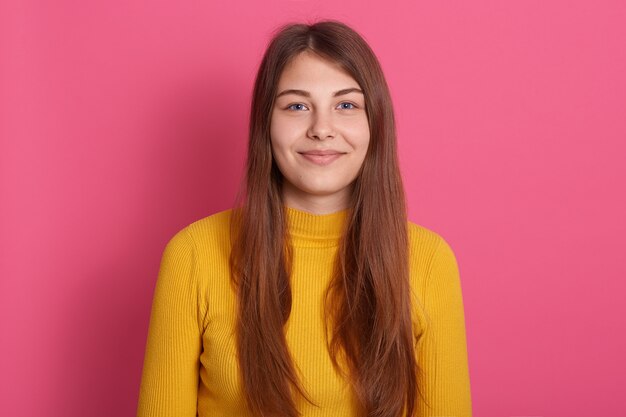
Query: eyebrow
column 307, row 94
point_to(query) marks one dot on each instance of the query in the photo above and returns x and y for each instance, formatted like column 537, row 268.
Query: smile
column 321, row 159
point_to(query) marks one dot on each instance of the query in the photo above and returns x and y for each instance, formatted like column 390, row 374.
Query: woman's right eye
column 293, row 106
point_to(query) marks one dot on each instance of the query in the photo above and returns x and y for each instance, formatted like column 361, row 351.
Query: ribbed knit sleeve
column 442, row 351
column 169, row 385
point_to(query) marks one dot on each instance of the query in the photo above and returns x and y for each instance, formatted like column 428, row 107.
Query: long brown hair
column 368, row 298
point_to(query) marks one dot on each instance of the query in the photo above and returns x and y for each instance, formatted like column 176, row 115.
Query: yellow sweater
column 190, row 366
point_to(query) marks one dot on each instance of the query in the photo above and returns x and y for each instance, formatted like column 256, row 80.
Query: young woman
column 315, row 296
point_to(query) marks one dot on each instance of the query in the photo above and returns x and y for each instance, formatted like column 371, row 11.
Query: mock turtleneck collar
column 315, row 230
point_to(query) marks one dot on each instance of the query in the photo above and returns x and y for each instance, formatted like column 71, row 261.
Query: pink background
column 124, row 121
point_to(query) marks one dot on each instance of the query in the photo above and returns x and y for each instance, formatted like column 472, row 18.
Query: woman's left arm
column 442, row 349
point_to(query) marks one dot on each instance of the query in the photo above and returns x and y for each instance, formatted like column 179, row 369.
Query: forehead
column 309, row 71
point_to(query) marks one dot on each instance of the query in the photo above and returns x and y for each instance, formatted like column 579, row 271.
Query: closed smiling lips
column 321, row 157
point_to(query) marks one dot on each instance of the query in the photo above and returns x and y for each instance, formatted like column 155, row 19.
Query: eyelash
column 354, row 106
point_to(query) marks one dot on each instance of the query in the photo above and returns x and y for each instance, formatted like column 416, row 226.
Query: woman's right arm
column 169, row 384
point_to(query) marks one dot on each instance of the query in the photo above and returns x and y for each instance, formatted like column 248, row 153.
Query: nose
column 321, row 127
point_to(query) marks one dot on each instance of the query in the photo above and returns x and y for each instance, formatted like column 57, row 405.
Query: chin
column 321, row 190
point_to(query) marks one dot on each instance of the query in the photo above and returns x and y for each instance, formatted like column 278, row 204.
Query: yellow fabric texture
column 190, row 366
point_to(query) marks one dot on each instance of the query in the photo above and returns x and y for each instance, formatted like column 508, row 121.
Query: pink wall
column 512, row 124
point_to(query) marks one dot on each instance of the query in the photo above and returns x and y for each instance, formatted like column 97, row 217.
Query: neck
column 316, row 204
column 315, row 230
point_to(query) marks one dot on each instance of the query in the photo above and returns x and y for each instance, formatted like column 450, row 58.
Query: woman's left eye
column 347, row 103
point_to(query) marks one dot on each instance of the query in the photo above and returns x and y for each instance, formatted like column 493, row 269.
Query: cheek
column 281, row 152
column 277, row 140
column 357, row 131
column 282, row 134
column 362, row 141
column 280, row 145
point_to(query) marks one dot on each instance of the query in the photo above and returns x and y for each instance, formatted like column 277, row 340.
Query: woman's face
column 319, row 133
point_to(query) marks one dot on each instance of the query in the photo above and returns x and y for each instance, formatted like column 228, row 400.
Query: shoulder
column 430, row 255
column 196, row 256
column 207, row 229
column 427, row 242
column 207, row 235
column 215, row 222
